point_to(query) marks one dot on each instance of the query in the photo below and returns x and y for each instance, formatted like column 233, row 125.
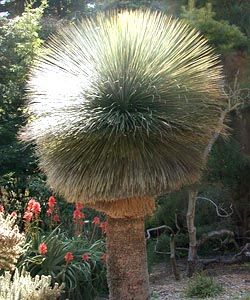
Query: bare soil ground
column 235, row 280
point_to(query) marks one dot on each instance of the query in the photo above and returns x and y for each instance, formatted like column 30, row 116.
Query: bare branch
column 176, row 224
column 218, row 208
column 216, row 134
column 242, row 256
column 237, row 97
column 243, row 238
column 214, row 234
column 244, row 251
column 157, row 228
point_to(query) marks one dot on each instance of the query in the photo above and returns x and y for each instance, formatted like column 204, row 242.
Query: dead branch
column 244, row 251
column 237, row 97
column 156, row 229
column 218, row 208
column 213, row 235
column 182, row 248
column 172, row 245
column 227, row 240
column 216, row 134
column 242, row 256
column 164, row 227
column 176, row 224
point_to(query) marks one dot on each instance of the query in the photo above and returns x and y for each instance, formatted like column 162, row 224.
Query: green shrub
column 246, row 265
column 83, row 279
column 247, row 297
column 202, row 287
column 154, row 296
column 19, row 44
column 221, row 34
column 72, row 256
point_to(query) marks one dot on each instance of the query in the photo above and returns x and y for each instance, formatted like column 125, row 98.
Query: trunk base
column 191, row 268
column 127, row 260
column 192, row 261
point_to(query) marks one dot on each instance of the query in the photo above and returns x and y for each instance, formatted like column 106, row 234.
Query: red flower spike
column 1, row 208
column 42, row 249
column 28, row 215
column 13, row 214
column 78, row 206
column 68, row 257
column 52, row 202
column 49, row 212
column 33, row 207
column 36, row 208
column 30, row 204
column 78, row 215
column 85, row 257
column 96, row 221
column 56, row 218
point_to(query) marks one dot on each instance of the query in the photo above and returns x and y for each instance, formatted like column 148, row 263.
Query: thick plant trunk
column 127, row 259
column 192, row 252
column 173, row 258
column 126, row 247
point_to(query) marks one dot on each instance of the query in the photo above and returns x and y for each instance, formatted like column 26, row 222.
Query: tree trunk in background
column 127, row 259
column 175, row 269
column 192, row 252
column 192, row 194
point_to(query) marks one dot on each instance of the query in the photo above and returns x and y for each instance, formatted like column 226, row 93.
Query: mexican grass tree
column 121, row 108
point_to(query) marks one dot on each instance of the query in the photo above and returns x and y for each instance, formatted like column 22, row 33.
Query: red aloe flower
column 28, row 215
column 78, row 215
column 56, row 218
column 36, row 208
column 33, row 207
column 49, row 212
column 30, row 204
column 85, row 257
column 78, row 206
column 13, row 214
column 42, row 249
column 52, row 202
column 1, row 208
column 96, row 221
column 68, row 257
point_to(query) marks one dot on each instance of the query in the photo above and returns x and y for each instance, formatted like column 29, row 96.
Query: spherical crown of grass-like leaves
column 123, row 105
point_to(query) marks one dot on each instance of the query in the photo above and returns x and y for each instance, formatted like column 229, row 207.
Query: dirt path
column 234, row 279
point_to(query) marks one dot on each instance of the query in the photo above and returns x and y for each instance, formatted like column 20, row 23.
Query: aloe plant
column 121, row 108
